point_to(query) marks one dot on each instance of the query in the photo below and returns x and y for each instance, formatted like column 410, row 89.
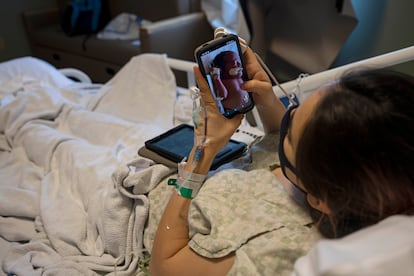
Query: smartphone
column 221, row 63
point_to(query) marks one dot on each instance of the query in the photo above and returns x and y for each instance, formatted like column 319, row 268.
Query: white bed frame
column 312, row 82
column 185, row 66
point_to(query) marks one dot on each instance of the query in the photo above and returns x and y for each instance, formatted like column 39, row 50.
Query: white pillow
column 386, row 248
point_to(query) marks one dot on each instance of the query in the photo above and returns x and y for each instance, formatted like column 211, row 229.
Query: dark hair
column 218, row 60
column 357, row 150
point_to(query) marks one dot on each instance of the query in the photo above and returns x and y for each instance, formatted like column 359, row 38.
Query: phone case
column 172, row 146
column 221, row 63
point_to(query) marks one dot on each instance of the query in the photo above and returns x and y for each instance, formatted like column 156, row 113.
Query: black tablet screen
column 177, row 143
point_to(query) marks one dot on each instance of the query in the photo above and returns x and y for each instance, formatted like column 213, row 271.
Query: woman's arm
column 270, row 108
column 171, row 254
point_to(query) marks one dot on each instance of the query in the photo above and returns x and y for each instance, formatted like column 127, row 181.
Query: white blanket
column 65, row 151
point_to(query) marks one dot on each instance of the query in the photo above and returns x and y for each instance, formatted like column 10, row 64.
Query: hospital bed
column 75, row 197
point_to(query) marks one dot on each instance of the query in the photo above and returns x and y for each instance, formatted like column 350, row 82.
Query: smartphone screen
column 221, row 63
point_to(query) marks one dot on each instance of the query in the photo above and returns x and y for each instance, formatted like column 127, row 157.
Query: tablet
column 176, row 143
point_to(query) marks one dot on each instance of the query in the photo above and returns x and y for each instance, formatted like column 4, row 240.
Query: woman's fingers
column 257, row 86
column 254, row 69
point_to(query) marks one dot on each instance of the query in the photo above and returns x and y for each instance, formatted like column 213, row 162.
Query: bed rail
column 312, row 82
column 184, row 66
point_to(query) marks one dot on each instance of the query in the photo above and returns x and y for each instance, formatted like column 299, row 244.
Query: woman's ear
column 318, row 204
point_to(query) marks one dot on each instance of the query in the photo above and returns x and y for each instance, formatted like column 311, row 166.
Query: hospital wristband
column 187, row 184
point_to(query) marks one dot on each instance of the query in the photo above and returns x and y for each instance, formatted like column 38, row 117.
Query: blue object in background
column 285, row 100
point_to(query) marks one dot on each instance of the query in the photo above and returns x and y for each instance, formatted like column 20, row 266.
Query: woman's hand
column 259, row 83
column 219, row 128
column 269, row 106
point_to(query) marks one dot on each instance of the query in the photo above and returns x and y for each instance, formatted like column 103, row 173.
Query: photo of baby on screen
column 225, row 77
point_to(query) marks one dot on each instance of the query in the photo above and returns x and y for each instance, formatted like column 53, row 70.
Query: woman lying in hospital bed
column 76, row 198
column 347, row 151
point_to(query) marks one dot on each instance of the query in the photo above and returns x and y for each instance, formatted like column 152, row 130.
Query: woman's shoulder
column 274, row 252
column 235, row 199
